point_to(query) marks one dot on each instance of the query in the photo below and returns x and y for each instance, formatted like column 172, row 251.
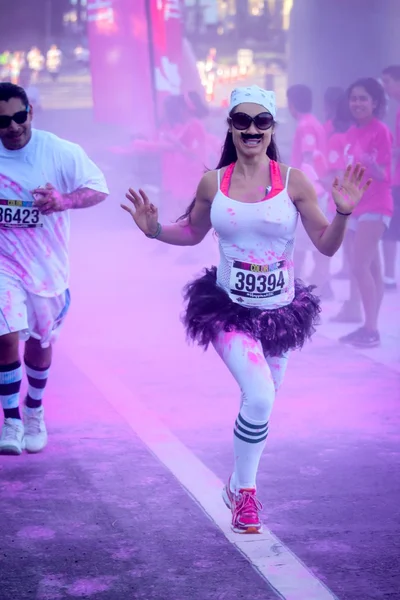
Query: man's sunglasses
column 19, row 117
column 241, row 121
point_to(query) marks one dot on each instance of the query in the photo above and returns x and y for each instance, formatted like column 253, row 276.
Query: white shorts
column 353, row 221
column 31, row 315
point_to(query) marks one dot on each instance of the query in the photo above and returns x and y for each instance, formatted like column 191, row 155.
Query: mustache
column 252, row 136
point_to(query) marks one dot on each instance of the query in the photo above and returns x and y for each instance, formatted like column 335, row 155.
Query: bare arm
column 188, row 232
column 347, row 192
column 326, row 237
column 50, row 200
column 83, row 198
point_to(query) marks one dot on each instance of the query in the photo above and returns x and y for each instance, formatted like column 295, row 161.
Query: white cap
column 254, row 95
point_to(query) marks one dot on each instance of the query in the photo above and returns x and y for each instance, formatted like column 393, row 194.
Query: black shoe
column 362, row 338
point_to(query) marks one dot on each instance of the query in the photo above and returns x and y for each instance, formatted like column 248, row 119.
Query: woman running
column 251, row 308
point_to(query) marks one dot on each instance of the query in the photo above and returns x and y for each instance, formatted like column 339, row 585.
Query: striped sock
column 10, row 385
column 37, row 379
column 249, row 442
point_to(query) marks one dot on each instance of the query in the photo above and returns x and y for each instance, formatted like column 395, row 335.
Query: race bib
column 254, row 283
column 18, row 213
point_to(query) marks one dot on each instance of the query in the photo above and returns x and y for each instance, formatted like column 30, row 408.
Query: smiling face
column 361, row 104
column 251, row 138
column 15, row 134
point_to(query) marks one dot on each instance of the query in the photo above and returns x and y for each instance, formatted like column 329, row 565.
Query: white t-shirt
column 34, row 247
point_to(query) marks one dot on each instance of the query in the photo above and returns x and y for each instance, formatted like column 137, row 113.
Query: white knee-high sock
column 245, row 359
column 249, row 440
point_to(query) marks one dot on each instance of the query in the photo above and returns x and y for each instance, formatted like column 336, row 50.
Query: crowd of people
column 13, row 64
column 253, row 308
column 354, row 131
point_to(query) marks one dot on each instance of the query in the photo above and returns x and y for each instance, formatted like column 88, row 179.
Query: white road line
column 282, row 570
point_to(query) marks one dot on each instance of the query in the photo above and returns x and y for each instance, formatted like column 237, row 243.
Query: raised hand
column 142, row 211
column 348, row 191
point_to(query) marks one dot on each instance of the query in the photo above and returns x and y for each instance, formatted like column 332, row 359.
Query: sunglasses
column 242, row 121
column 19, row 117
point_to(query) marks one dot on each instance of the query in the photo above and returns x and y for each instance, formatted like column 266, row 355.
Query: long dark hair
column 229, row 156
column 374, row 89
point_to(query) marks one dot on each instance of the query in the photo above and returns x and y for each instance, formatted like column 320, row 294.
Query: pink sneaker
column 245, row 509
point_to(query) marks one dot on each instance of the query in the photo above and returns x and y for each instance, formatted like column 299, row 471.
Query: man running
column 42, row 177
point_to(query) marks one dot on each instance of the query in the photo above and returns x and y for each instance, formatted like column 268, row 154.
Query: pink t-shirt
column 396, row 176
column 309, row 139
column 336, row 162
column 375, row 140
column 335, row 149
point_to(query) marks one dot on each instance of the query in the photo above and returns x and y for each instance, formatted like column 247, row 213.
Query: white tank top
column 256, row 242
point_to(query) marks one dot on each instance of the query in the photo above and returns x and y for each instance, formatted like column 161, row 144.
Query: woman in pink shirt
column 391, row 82
column 369, row 141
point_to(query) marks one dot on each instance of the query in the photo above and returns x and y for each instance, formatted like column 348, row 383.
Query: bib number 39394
column 253, row 283
column 19, row 214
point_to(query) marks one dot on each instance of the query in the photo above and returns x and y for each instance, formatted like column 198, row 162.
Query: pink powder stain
column 36, row 533
column 226, row 337
column 249, row 343
column 256, row 358
column 83, row 588
column 11, row 487
column 123, row 554
column 231, row 211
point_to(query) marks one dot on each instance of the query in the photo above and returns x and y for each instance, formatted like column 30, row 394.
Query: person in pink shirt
column 369, row 140
column 180, row 144
column 183, row 138
column 309, row 155
column 391, row 82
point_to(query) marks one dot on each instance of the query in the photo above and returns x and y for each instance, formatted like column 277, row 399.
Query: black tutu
column 209, row 310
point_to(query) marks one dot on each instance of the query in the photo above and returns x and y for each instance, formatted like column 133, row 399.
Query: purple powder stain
column 89, row 586
column 49, row 588
column 11, row 487
column 310, row 471
column 123, row 554
column 36, row 533
column 330, row 546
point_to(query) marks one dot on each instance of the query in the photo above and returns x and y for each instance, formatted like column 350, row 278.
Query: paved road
column 98, row 516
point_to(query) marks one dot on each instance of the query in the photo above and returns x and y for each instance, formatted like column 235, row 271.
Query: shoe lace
column 11, row 430
column 248, row 504
column 33, row 424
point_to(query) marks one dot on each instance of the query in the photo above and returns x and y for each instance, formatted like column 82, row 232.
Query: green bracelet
column 157, row 233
